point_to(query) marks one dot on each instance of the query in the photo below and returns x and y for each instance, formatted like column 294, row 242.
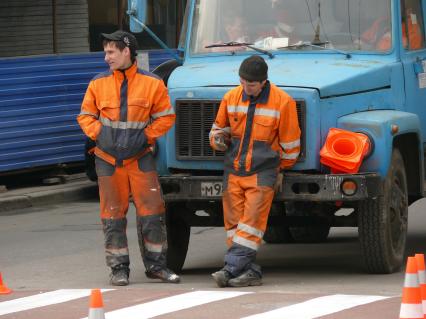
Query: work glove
column 278, row 187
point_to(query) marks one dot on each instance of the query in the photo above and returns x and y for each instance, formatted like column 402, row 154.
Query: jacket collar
column 263, row 96
column 129, row 72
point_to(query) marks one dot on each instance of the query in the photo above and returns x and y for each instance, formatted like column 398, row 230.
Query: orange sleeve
column 289, row 134
column 221, row 124
column 162, row 114
column 89, row 114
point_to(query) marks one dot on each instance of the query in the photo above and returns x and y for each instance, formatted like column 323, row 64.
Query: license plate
column 210, row 189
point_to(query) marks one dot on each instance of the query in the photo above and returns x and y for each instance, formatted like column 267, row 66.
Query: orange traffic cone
column 343, row 150
column 3, row 289
column 420, row 258
column 96, row 307
column 411, row 304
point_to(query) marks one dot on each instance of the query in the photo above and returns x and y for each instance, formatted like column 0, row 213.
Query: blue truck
column 356, row 65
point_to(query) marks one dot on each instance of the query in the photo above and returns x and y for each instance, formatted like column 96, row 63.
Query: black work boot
column 222, row 277
column 120, row 275
column 247, row 278
column 165, row 275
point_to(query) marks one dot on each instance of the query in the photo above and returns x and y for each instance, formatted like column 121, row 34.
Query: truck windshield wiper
column 240, row 44
column 318, row 45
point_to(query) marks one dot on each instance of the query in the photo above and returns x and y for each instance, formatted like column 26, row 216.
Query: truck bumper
column 296, row 187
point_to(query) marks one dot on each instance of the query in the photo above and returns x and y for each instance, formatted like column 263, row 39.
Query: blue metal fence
column 40, row 98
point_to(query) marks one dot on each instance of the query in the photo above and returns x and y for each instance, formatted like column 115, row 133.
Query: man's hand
column 221, row 142
column 278, row 187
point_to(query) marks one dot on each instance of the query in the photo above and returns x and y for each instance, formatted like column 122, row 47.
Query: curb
column 46, row 195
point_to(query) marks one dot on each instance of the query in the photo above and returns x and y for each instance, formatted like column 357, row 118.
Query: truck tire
column 382, row 222
column 178, row 233
column 276, row 232
column 307, row 234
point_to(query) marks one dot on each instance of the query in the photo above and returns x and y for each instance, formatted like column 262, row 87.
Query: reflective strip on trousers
column 245, row 242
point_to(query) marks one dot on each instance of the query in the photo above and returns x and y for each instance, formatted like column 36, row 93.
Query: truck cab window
column 412, row 25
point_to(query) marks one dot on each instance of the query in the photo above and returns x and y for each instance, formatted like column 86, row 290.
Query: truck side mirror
column 137, row 13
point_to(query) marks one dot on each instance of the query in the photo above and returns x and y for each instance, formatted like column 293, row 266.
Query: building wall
column 33, row 27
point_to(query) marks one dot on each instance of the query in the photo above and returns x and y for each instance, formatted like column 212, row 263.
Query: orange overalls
column 265, row 138
column 125, row 112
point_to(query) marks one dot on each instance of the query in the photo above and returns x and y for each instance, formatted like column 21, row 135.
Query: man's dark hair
column 121, row 40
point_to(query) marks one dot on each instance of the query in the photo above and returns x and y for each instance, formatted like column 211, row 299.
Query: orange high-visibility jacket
column 264, row 133
column 124, row 112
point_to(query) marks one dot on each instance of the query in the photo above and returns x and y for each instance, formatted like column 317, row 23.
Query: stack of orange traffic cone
column 3, row 289
column 420, row 258
column 96, row 307
column 411, row 305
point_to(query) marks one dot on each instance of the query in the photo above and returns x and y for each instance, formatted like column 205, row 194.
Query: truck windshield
column 351, row 25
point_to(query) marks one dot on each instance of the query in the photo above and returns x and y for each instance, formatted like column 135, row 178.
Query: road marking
column 43, row 299
column 171, row 304
column 318, row 307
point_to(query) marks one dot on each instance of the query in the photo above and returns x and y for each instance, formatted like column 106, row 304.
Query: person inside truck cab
column 235, row 29
column 378, row 35
column 257, row 127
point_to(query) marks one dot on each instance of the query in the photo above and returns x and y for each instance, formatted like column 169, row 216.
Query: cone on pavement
column 96, row 307
column 3, row 289
column 411, row 304
column 420, row 258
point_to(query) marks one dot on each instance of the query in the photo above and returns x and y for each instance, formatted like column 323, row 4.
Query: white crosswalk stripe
column 317, row 307
column 42, row 300
column 171, row 304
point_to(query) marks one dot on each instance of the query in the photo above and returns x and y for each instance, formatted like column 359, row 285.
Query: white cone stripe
column 171, row 304
column 422, row 277
column 42, row 300
column 318, row 307
column 411, row 280
column 411, row 311
column 96, row 313
column 424, row 306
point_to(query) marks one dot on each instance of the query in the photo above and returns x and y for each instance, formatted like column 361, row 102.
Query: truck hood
column 331, row 76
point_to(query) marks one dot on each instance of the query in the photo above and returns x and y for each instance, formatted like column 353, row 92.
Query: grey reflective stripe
column 122, row 125
column 250, row 230
column 169, row 111
column 117, row 252
column 267, row 112
column 411, row 281
column 290, row 145
column 88, row 113
column 245, row 242
column 290, row 156
column 154, row 248
column 237, row 108
column 230, row 233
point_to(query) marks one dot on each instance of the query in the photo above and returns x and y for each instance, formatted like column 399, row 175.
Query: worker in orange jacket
column 379, row 35
column 257, row 127
column 125, row 110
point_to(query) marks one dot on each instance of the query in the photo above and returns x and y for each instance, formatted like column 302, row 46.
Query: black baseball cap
column 127, row 38
column 254, row 69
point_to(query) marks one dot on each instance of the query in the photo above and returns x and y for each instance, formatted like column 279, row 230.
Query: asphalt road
column 61, row 246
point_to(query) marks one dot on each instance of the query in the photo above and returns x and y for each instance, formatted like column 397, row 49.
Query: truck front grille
column 194, row 119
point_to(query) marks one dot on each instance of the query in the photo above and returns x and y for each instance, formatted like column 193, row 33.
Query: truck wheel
column 382, row 222
column 178, row 233
column 307, row 234
column 276, row 232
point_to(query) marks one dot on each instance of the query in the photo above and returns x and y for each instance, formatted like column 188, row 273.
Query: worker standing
column 125, row 110
column 257, row 127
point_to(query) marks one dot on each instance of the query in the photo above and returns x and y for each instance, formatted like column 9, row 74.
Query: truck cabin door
column 413, row 57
